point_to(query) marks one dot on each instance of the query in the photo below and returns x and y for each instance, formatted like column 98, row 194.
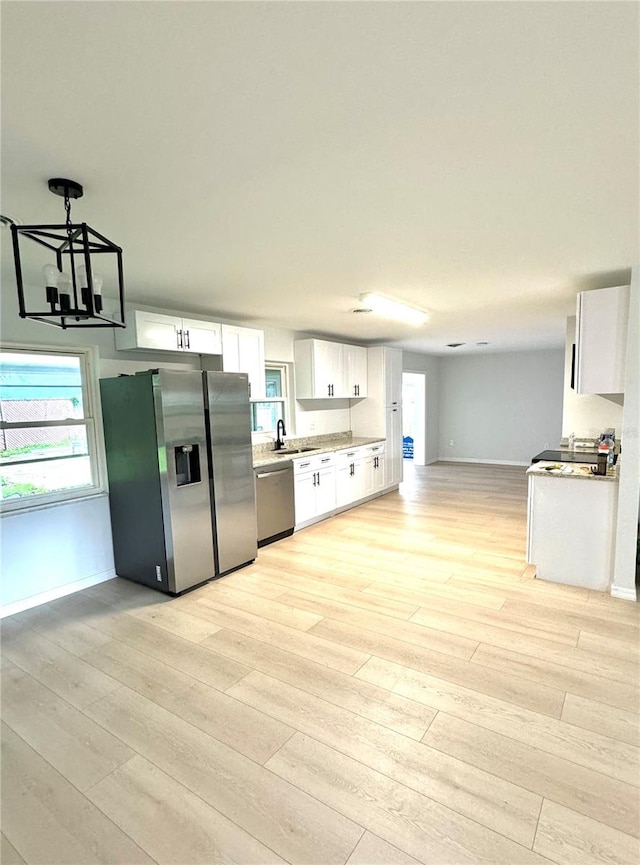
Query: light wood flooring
column 389, row 687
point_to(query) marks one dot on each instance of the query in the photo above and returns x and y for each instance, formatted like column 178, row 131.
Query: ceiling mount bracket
column 65, row 188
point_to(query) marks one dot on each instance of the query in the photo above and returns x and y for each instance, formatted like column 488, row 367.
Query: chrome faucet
column 279, row 440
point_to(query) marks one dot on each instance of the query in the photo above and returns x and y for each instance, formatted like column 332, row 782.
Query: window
column 266, row 413
column 48, row 444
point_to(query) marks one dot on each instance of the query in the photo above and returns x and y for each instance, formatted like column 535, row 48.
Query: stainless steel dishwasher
column 275, row 502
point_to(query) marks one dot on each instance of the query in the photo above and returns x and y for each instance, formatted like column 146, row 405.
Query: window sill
column 41, row 506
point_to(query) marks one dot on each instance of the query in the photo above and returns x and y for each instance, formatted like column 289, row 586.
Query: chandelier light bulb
column 97, row 292
column 64, row 287
column 50, row 273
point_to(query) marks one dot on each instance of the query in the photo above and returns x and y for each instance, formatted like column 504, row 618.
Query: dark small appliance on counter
column 592, row 458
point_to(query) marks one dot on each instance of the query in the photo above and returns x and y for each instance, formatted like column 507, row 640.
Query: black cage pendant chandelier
column 72, row 286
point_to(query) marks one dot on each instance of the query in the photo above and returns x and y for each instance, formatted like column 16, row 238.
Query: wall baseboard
column 53, row 594
column 624, row 593
column 485, row 462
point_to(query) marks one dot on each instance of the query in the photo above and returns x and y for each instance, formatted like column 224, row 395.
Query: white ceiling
column 271, row 161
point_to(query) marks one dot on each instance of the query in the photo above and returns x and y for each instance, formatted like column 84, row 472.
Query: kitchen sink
column 296, row 450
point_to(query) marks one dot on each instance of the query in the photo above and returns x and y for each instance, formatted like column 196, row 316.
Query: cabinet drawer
column 313, row 463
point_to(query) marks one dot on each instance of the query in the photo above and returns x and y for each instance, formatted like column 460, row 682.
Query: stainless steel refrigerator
column 181, row 481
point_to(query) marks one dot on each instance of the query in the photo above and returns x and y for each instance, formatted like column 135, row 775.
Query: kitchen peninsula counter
column 571, row 471
column 571, row 521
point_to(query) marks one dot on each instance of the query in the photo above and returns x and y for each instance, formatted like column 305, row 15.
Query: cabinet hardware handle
column 326, row 460
column 179, row 338
column 328, row 390
column 314, row 479
column 187, row 343
column 318, row 476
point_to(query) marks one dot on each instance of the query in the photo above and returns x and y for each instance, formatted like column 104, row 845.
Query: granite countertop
column 571, row 470
column 327, row 445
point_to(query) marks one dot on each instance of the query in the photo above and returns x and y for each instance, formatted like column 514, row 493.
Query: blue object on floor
column 407, row 448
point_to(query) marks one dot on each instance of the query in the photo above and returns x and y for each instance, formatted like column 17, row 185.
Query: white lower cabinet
column 326, row 483
column 563, row 509
column 351, row 472
column 314, row 488
column 375, row 474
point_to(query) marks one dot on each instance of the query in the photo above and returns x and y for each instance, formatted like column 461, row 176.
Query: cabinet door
column 601, row 340
column 325, row 490
column 356, row 370
column 345, row 483
column 305, row 497
column 393, row 376
column 393, row 447
column 243, row 351
column 202, row 337
column 379, row 480
column 328, row 369
column 157, row 331
column 366, row 476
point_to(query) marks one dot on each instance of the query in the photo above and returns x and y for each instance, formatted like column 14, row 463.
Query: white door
column 393, row 376
column 393, row 447
column 158, row 331
column 366, row 476
column 328, row 369
column 202, row 337
column 243, row 351
column 414, row 417
column 325, row 490
column 356, row 370
column 305, row 497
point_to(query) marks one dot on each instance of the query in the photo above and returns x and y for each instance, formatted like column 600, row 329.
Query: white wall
column 53, row 551
column 500, row 408
column 586, row 414
column 430, row 365
column 624, row 580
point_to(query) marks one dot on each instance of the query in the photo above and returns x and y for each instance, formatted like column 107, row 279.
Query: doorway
column 414, row 417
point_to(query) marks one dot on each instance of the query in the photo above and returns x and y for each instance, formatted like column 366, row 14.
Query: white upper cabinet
column 356, row 370
column 601, row 339
column 202, row 337
column 320, row 369
column 243, row 351
column 158, row 332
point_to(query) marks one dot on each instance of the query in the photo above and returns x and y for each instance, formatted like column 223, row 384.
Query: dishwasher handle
column 271, row 474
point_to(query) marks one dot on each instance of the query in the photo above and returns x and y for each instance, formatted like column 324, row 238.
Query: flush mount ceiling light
column 393, row 308
column 73, row 288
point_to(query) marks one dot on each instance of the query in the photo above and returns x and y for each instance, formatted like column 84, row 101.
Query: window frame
column 91, row 422
column 284, row 399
